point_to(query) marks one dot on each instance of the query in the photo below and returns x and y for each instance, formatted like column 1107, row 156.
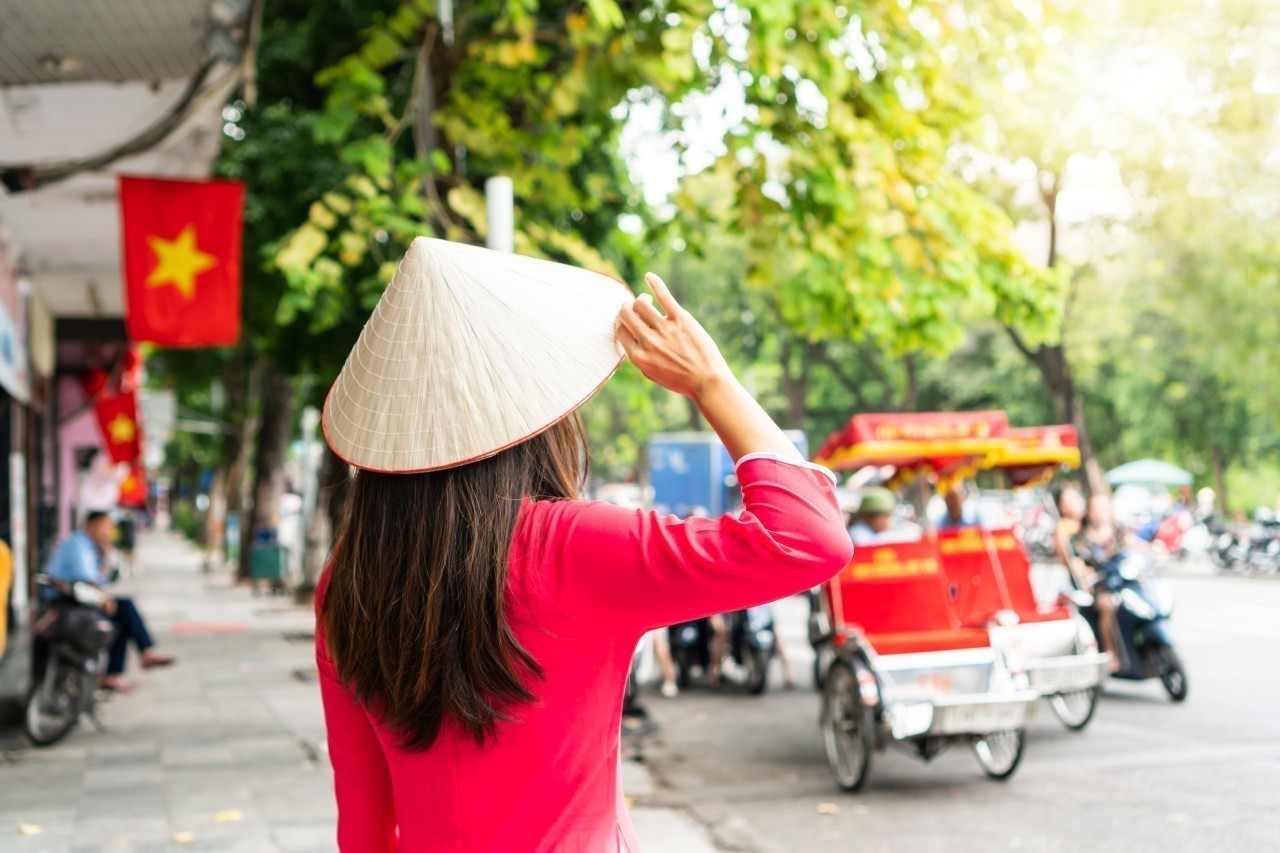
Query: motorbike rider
column 83, row 558
column 1086, row 535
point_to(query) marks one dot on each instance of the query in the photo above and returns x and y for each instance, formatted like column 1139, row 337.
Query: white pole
column 500, row 204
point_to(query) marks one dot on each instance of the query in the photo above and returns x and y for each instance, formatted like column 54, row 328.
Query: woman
column 477, row 621
column 1085, row 533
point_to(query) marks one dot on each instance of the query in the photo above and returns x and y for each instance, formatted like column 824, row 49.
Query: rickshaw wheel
column 999, row 752
column 848, row 726
column 823, row 655
column 1075, row 709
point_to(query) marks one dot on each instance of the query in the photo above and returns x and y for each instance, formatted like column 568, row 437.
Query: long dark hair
column 415, row 610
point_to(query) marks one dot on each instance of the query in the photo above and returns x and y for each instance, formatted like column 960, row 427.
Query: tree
column 855, row 225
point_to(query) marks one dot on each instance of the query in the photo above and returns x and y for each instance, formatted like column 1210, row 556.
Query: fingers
column 643, row 308
column 628, row 340
column 660, row 290
column 632, row 322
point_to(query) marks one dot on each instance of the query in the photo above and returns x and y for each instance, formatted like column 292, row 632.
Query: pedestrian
column 83, row 557
column 477, row 620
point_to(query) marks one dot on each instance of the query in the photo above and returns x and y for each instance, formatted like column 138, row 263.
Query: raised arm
column 643, row 570
column 648, row 570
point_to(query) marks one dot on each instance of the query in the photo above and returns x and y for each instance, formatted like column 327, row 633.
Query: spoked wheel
column 848, row 726
column 823, row 655
column 757, row 665
column 55, row 702
column 1172, row 675
column 1075, row 709
column 999, row 752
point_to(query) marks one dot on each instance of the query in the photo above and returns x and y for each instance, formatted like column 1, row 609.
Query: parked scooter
column 690, row 649
column 72, row 633
column 1145, row 603
column 752, row 643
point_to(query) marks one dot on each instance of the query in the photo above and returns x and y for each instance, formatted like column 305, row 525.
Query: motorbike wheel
column 999, row 752
column 1172, row 675
column 757, row 664
column 848, row 726
column 1075, row 709
column 55, row 703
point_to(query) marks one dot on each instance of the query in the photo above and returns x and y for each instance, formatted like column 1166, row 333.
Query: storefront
column 16, row 553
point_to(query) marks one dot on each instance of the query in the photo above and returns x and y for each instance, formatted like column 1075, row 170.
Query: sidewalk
column 224, row 751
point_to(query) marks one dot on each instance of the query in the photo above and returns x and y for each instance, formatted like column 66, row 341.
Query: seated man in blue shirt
column 81, row 558
column 958, row 514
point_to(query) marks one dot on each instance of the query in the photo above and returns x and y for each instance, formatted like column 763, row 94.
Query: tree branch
column 913, row 383
column 819, row 354
column 1031, row 355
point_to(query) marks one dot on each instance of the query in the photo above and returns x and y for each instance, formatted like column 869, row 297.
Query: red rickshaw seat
column 897, row 596
column 911, row 642
column 975, row 584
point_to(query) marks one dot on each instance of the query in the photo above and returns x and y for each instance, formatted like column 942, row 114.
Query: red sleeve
column 648, row 570
column 361, row 780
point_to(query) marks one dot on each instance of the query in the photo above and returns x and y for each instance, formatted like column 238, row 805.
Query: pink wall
column 78, row 432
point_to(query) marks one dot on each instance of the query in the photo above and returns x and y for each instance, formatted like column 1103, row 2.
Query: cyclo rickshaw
column 902, row 667
column 990, row 575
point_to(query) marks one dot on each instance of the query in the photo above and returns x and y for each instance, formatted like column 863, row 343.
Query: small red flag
column 117, row 417
column 181, row 242
column 133, row 491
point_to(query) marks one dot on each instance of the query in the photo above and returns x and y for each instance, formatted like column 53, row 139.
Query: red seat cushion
column 910, row 642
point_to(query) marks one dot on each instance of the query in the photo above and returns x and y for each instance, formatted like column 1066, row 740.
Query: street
column 1145, row 775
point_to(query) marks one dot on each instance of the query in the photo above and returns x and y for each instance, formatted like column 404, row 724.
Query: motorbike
column 1228, row 549
column 1145, row 604
column 71, row 636
column 752, row 642
column 1252, row 549
column 690, row 649
column 1262, row 550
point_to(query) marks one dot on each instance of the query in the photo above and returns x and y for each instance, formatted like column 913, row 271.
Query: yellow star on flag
column 122, row 429
column 179, row 261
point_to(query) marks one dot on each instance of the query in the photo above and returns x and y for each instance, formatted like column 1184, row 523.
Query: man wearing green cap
column 875, row 518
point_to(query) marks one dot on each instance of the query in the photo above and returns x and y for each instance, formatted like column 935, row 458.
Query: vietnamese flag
column 117, row 417
column 133, row 490
column 181, row 242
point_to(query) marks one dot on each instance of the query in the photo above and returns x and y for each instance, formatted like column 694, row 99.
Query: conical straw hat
column 469, row 352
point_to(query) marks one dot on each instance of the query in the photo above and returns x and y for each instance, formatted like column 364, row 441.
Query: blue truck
column 692, row 474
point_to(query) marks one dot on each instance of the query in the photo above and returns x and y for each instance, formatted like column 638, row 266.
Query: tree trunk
column 240, row 383
column 912, row 393
column 1056, row 369
column 695, row 417
column 1219, row 479
column 270, row 449
column 795, row 381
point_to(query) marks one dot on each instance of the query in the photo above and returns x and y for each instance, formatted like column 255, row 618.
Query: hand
column 672, row 350
column 108, row 606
